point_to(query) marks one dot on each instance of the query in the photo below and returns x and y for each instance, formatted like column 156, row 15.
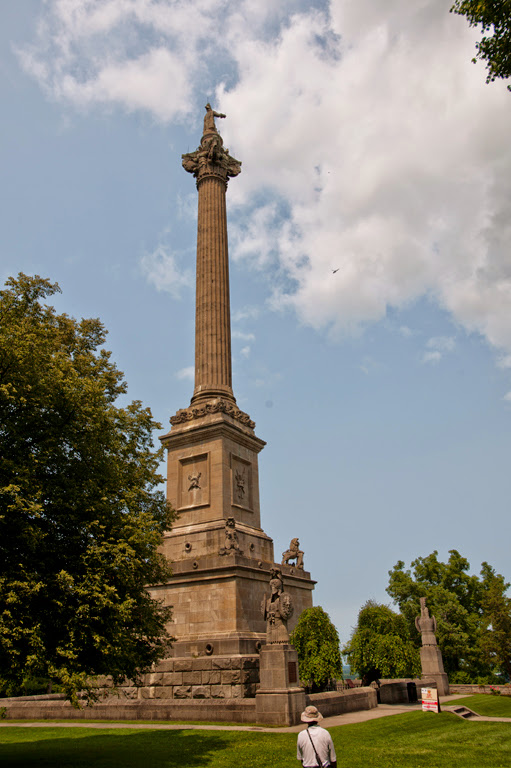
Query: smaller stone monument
column 279, row 700
column 431, row 655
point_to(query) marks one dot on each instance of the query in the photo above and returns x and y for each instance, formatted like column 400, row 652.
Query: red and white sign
column 430, row 702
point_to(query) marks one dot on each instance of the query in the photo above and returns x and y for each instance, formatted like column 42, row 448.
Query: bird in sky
column 335, row 270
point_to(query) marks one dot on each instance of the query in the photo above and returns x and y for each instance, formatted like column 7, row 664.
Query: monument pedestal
column 279, row 700
column 221, row 558
column 433, row 668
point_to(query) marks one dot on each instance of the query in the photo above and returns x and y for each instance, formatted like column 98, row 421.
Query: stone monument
column 279, row 699
column 431, row 656
column 221, row 557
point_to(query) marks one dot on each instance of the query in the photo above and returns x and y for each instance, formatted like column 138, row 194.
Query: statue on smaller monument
column 277, row 608
column 231, row 538
column 293, row 553
column 426, row 624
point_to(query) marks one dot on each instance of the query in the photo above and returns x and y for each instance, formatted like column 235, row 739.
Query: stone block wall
column 505, row 690
column 218, row 677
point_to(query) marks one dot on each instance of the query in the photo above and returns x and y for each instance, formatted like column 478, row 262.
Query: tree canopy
column 380, row 645
column 317, row 644
column 81, row 515
column 495, row 49
column 473, row 613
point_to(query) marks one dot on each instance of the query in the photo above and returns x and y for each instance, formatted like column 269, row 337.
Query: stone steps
column 464, row 712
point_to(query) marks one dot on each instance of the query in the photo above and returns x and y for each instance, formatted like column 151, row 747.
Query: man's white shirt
column 322, row 742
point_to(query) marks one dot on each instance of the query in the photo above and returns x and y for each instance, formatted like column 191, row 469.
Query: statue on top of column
column 211, row 158
column 209, row 118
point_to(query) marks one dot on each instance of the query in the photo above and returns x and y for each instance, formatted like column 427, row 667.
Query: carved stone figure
column 231, row 538
column 277, row 608
column 194, row 481
column 426, row 624
column 240, row 485
column 293, row 553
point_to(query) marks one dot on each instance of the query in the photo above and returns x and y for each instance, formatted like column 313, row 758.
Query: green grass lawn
column 486, row 704
column 413, row 740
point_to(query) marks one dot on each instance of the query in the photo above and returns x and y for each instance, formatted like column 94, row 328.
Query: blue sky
column 370, row 144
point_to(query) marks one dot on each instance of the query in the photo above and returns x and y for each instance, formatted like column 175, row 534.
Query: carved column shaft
column 213, row 373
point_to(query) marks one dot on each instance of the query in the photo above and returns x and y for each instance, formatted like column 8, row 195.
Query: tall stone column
column 220, row 555
column 212, row 165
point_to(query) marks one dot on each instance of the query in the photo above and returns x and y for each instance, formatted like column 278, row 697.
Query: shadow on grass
column 86, row 747
column 45, row 748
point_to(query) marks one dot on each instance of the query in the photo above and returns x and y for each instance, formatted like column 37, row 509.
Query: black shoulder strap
column 320, row 764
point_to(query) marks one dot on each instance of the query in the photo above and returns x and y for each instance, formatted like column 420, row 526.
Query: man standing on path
column 315, row 747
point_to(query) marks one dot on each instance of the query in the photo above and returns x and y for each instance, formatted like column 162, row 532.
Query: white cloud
column 186, row 373
column 507, row 397
column 432, row 357
column 157, row 82
column 370, row 143
column 246, row 313
column 437, row 347
column 243, row 336
column 405, row 331
column 252, row 236
column 392, row 156
column 245, row 352
column 162, row 270
column 140, row 54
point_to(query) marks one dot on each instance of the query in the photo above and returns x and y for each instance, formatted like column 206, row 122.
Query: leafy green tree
column 380, row 645
column 494, row 16
column 456, row 598
column 496, row 634
column 81, row 515
column 317, row 644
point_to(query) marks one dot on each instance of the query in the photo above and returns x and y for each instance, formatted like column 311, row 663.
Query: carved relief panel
column 241, row 482
column 193, row 482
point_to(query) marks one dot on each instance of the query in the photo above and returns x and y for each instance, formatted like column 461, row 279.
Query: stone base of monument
column 279, row 700
column 433, row 668
column 122, row 707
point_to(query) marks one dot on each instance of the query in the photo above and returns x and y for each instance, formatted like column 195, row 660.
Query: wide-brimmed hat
column 311, row 715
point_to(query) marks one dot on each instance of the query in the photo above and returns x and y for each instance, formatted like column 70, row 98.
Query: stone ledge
column 223, row 710
column 338, row 703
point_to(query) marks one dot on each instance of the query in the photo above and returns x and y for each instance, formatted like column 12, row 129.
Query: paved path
column 382, row 710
